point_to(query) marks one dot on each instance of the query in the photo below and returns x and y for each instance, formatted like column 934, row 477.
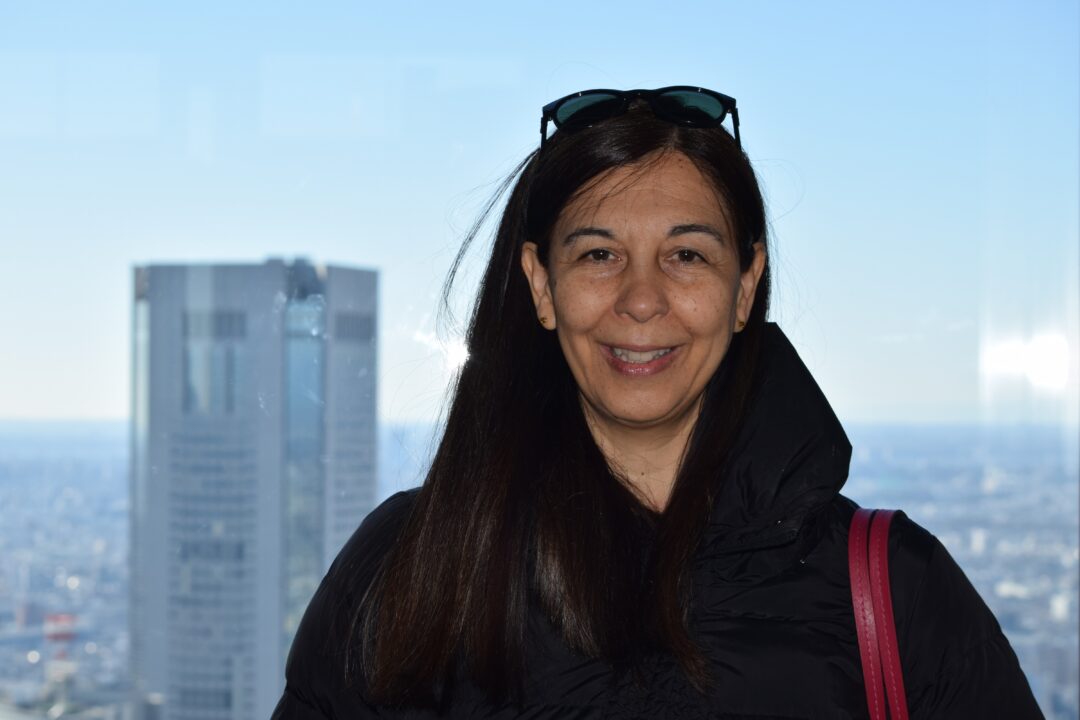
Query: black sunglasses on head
column 680, row 104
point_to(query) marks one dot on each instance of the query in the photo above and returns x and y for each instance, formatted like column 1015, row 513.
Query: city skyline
column 1001, row 502
column 920, row 167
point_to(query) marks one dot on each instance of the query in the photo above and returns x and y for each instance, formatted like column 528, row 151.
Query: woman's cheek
column 581, row 300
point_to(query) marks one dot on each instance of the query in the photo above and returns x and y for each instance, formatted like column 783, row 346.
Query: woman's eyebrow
column 584, row 231
column 675, row 231
column 696, row 228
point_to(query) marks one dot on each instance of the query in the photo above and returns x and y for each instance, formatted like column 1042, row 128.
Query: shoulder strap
column 871, row 598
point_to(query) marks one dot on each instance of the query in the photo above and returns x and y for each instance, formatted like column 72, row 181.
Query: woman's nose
column 642, row 295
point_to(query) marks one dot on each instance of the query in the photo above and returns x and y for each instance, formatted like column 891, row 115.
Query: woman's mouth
column 637, row 361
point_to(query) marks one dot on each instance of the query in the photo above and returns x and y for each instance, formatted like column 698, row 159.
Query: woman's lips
column 639, row 369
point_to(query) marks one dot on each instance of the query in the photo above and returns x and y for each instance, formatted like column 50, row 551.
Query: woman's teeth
column 631, row 356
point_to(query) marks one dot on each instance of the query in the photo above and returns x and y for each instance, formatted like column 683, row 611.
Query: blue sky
column 920, row 162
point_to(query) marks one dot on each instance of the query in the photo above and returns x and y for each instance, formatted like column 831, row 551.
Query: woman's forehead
column 660, row 183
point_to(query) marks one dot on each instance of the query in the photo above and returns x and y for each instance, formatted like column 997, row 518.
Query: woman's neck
column 648, row 458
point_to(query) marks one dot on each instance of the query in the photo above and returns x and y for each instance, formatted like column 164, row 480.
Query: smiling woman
column 649, row 294
column 635, row 508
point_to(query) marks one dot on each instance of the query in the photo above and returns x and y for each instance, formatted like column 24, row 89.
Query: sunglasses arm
column 543, row 129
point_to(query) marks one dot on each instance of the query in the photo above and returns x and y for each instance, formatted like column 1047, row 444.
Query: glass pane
column 226, row 229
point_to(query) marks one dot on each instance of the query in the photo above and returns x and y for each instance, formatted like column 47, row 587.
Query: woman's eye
column 598, row 255
column 688, row 256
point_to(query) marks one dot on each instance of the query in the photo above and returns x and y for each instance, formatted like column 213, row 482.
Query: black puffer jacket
column 771, row 604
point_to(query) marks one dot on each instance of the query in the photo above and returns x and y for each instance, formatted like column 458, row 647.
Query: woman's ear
column 748, row 283
column 537, row 277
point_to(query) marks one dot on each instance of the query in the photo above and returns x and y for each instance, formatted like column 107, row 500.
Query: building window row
column 214, row 324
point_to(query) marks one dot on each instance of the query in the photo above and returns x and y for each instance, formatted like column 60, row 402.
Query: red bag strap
column 863, row 604
column 871, row 598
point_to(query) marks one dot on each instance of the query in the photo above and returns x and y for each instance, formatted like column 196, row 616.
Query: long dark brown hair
column 520, row 510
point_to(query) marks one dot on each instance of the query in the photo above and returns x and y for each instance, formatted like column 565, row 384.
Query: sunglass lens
column 588, row 109
column 695, row 108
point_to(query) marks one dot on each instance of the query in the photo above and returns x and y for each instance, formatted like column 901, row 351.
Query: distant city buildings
column 253, row 446
column 1002, row 500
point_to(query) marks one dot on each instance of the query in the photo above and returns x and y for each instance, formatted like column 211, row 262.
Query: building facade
column 253, row 446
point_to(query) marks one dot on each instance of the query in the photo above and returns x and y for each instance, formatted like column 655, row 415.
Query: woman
column 634, row 510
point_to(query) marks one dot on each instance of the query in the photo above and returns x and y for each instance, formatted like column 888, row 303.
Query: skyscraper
column 252, row 461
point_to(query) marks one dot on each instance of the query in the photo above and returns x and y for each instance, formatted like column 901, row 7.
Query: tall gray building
column 252, row 461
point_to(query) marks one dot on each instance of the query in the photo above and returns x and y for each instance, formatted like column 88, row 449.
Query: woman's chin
column 643, row 417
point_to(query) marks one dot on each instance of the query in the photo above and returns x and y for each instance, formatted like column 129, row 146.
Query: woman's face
column 644, row 290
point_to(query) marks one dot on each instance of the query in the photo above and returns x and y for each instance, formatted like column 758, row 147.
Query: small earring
column 740, row 324
column 543, row 320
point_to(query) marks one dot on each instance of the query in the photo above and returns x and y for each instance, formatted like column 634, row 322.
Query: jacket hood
column 790, row 460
